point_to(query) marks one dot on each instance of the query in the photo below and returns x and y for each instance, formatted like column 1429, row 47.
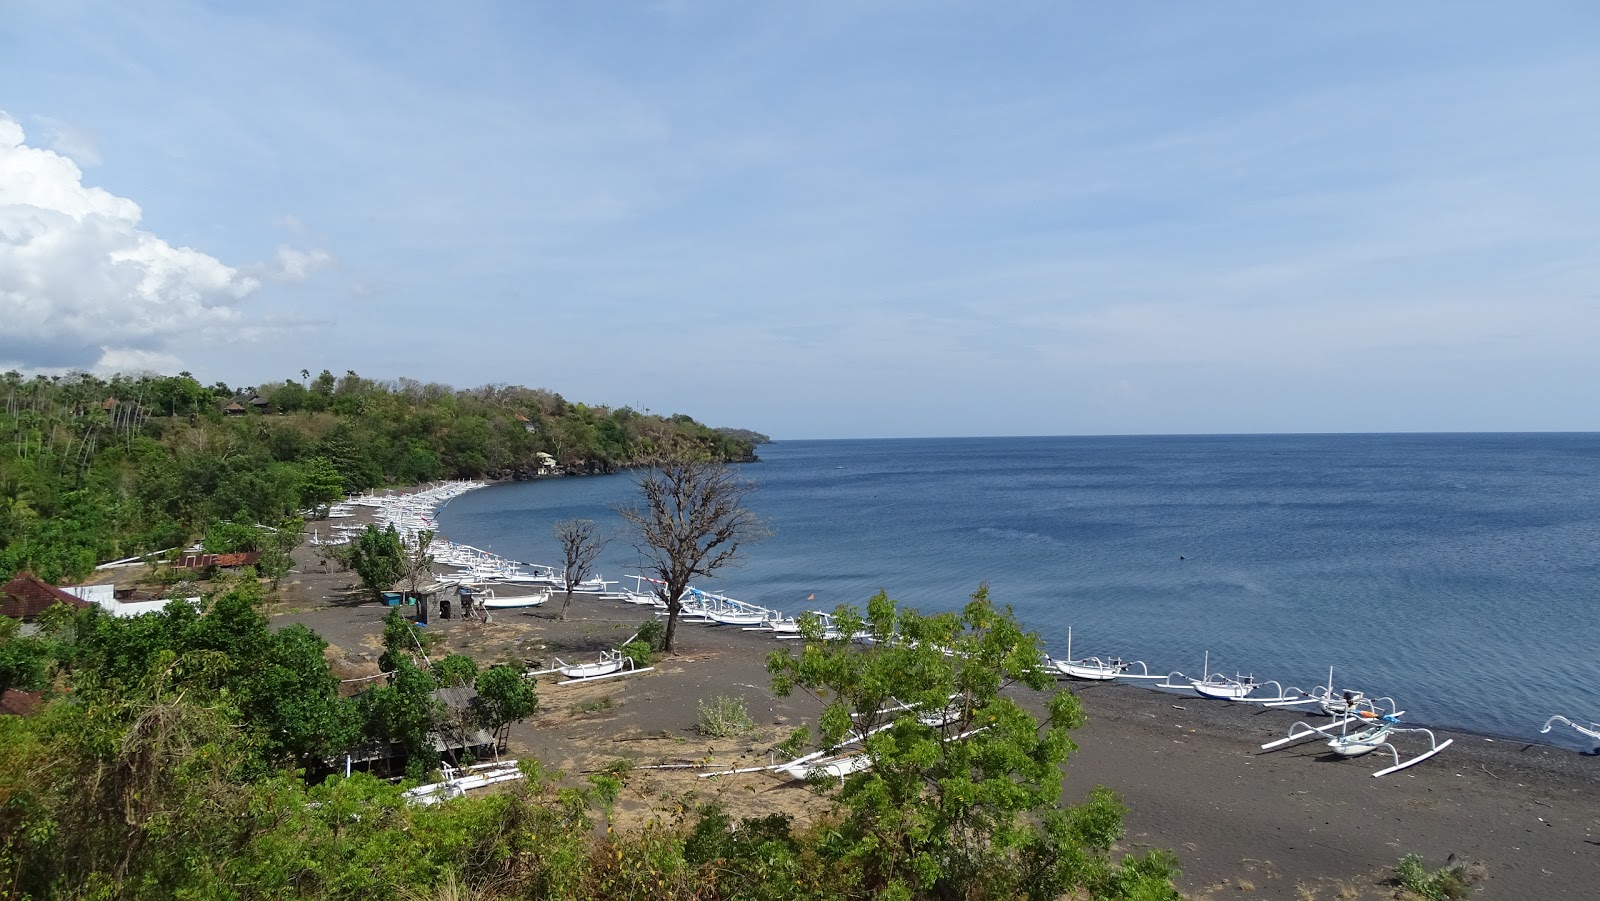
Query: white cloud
column 122, row 359
column 81, row 282
column 297, row 265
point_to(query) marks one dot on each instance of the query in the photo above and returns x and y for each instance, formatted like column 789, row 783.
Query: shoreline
column 1290, row 824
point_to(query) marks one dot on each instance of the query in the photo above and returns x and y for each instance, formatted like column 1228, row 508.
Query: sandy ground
column 1292, row 824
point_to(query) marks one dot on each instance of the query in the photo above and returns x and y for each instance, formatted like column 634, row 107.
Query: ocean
column 1459, row 574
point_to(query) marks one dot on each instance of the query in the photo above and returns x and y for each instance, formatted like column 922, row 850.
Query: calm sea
column 1458, row 573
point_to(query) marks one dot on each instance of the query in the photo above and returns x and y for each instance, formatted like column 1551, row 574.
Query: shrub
column 652, row 633
column 724, row 717
column 639, row 652
column 1448, row 883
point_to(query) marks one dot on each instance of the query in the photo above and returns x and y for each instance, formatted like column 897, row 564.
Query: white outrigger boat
column 1341, row 703
column 611, row 664
column 458, row 781
column 1373, row 731
column 1096, row 669
column 836, row 767
column 1592, row 730
column 1216, row 685
column 487, row 599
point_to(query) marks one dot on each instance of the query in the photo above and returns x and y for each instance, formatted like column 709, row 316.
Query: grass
column 724, row 717
column 595, row 706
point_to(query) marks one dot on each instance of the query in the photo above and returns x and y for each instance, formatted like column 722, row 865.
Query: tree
column 405, row 713
column 505, row 696
column 290, row 699
column 581, row 545
column 454, row 670
column 277, row 550
column 320, row 485
column 693, row 523
column 378, row 558
column 22, row 658
column 960, row 798
column 402, row 641
column 416, row 562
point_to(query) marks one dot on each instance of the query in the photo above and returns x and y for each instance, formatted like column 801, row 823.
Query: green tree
column 290, row 699
column 404, row 715
column 320, row 485
column 455, row 669
column 959, row 800
column 277, row 550
column 402, row 641
column 505, row 696
column 378, row 558
column 23, row 659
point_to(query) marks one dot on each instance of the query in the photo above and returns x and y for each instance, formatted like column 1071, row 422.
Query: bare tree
column 581, row 544
column 416, row 563
column 692, row 523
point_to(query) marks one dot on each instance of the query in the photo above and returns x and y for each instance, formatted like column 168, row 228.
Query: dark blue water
column 1458, row 573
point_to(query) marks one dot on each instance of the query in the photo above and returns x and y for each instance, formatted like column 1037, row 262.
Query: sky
column 825, row 220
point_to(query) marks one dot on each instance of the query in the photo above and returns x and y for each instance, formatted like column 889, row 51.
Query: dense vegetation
column 166, row 764
column 94, row 469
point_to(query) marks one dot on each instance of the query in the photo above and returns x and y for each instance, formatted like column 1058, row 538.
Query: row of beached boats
column 1364, row 724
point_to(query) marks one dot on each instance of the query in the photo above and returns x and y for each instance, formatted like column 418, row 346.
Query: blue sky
column 825, row 219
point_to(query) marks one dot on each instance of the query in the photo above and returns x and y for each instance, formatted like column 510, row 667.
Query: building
column 27, row 596
column 122, row 603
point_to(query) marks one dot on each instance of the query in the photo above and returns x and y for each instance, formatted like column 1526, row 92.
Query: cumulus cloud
column 81, row 283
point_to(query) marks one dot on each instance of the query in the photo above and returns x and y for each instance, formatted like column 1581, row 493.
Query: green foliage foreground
column 165, row 768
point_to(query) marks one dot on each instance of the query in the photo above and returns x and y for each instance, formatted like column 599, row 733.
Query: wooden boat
column 1363, row 741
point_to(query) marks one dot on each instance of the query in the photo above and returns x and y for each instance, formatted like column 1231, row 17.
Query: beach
column 1291, row 824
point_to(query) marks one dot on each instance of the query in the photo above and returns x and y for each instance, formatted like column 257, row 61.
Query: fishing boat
column 1592, row 730
column 611, row 664
column 1372, row 732
column 828, row 767
column 1093, row 669
column 458, row 781
column 1337, row 703
column 1215, row 685
column 1365, row 740
column 487, row 599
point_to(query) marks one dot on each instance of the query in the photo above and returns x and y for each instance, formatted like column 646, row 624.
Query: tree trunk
column 674, row 607
column 566, row 603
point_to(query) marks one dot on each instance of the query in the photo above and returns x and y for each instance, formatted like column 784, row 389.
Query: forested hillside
column 94, row 469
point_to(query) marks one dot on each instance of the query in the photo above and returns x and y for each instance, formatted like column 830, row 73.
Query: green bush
column 1448, row 883
column 639, row 652
column 652, row 633
column 724, row 717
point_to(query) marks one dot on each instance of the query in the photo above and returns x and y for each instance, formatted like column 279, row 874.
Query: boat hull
column 1223, row 691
